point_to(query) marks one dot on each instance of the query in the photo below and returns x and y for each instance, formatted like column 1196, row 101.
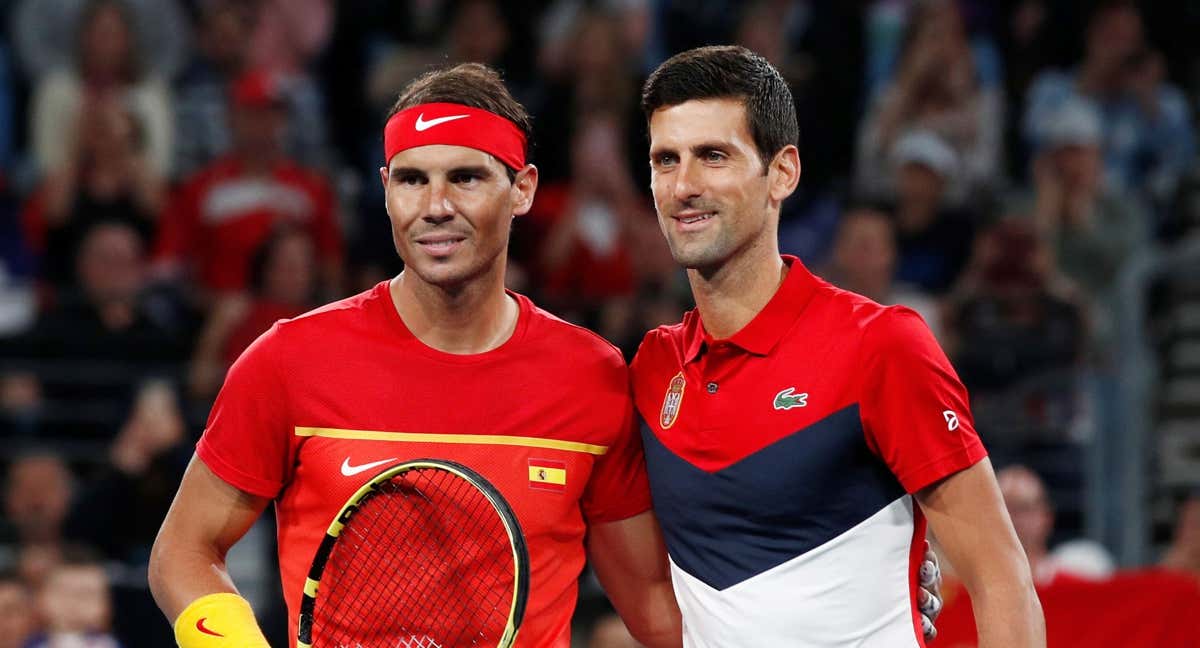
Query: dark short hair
column 729, row 72
column 470, row 84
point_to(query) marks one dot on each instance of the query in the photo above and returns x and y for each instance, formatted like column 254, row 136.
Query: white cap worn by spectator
column 927, row 149
column 1075, row 123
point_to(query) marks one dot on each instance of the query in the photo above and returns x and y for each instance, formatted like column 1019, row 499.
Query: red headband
column 456, row 125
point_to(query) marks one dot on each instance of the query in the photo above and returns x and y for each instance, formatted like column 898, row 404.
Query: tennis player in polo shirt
column 798, row 437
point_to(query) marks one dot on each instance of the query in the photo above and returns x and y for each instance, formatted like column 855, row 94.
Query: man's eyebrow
column 479, row 170
column 714, row 145
column 405, row 171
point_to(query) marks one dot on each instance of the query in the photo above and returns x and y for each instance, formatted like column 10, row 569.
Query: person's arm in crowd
column 630, row 560
column 208, row 364
column 187, row 564
column 967, row 514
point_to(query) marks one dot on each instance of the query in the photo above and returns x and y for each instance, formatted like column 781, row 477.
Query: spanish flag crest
column 548, row 475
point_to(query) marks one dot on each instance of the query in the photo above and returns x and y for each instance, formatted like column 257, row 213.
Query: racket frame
column 512, row 528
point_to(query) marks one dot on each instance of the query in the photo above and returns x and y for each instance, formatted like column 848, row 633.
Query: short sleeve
column 914, row 408
column 618, row 487
column 248, row 439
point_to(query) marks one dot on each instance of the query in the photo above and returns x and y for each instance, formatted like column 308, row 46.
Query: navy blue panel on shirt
column 772, row 506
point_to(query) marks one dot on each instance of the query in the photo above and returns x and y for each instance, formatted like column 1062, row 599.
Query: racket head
column 408, row 555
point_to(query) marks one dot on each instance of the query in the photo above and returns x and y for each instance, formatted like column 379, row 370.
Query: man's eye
column 664, row 160
column 714, row 156
column 411, row 179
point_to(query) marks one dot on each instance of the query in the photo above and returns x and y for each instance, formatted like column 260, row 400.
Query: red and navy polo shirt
column 783, row 460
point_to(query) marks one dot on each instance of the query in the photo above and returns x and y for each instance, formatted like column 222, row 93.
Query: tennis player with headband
column 440, row 361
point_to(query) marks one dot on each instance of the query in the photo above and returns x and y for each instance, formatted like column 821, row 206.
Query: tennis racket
column 427, row 554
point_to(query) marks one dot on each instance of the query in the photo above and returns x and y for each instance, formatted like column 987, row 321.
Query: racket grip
column 221, row 620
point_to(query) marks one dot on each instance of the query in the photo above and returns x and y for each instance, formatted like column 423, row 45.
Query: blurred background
column 175, row 175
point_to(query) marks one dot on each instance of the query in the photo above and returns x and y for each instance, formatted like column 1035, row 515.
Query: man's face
column 865, row 245
column 1114, row 35
column 712, row 196
column 75, row 598
column 38, row 496
column 451, row 208
column 1025, row 499
column 259, row 131
column 1078, row 165
column 111, row 265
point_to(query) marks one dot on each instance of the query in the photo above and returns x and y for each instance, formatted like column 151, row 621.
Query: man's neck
column 732, row 295
column 474, row 318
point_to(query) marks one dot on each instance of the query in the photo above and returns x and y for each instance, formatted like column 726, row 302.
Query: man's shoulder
column 876, row 326
column 556, row 335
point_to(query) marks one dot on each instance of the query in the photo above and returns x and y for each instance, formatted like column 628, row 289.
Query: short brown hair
column 470, row 84
column 729, row 72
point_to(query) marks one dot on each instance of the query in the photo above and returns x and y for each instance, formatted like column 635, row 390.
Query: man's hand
column 929, row 595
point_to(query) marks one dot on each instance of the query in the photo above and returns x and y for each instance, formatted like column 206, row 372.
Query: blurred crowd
column 176, row 175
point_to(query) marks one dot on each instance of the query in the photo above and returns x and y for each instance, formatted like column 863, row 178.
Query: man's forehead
column 719, row 117
column 443, row 156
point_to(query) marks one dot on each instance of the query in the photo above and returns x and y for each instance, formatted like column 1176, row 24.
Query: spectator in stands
column 864, row 261
column 17, row 619
column 202, row 92
column 227, row 32
column 119, row 509
column 1094, row 228
column 930, row 236
column 223, row 214
column 90, row 348
column 76, row 604
column 1013, row 323
column 1183, row 554
column 589, row 271
column 107, row 67
column 1146, row 137
column 283, row 283
column 1033, row 518
column 936, row 89
column 593, row 74
column 105, row 319
column 107, row 176
column 37, row 497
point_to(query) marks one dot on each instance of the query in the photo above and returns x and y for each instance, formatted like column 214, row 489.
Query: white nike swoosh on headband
column 423, row 125
column 351, row 471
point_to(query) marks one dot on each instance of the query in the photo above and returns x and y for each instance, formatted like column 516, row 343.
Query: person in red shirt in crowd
column 220, row 216
column 283, row 282
column 1087, row 605
column 438, row 361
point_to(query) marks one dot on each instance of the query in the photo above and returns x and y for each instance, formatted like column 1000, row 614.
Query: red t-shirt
column 219, row 218
column 319, row 396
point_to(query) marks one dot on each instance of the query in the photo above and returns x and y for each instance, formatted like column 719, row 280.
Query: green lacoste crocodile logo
column 784, row 400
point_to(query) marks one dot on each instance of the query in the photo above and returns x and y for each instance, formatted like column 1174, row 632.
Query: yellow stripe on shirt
column 482, row 439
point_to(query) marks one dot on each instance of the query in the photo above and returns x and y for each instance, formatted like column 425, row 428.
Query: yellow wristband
column 221, row 620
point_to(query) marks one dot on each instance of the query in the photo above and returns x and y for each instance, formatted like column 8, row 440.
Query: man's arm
column 630, row 560
column 188, row 560
column 967, row 514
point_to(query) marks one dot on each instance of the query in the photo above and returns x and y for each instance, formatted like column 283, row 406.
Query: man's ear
column 784, row 173
column 383, row 178
column 524, row 186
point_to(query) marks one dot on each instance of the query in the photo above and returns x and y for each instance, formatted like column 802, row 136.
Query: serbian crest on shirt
column 672, row 401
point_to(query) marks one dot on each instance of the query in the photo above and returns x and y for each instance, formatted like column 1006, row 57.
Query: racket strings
column 424, row 563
